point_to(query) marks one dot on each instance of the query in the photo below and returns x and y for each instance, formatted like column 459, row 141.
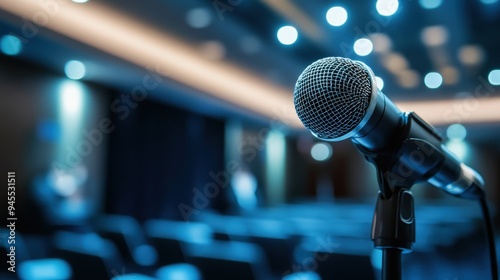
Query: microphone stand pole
column 393, row 230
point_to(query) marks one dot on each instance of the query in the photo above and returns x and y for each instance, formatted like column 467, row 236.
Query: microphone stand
column 393, row 230
column 393, row 225
column 399, row 167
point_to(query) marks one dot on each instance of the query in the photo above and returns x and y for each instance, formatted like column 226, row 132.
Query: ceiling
column 462, row 45
column 469, row 24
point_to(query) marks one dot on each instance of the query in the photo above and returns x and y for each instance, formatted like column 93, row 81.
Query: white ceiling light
column 287, row 35
column 494, row 77
column 74, row 69
column 363, row 47
column 433, row 80
column 336, row 16
column 387, row 7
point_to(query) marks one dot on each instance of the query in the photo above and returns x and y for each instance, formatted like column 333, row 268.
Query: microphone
column 337, row 98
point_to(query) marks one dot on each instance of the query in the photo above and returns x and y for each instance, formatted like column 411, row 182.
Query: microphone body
column 337, row 99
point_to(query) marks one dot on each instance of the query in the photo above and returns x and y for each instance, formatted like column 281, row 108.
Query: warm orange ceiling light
column 468, row 110
column 121, row 36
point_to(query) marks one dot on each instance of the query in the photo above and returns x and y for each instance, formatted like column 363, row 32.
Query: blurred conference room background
column 158, row 139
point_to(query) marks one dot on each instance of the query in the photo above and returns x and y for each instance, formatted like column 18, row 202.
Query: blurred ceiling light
column 74, row 69
column 80, row 1
column 10, row 45
column 494, row 77
column 408, row 79
column 430, row 4
column 275, row 162
column 71, row 99
column 250, row 44
column 198, row 18
column 213, row 50
column 109, row 31
column 433, row 80
column 245, row 185
column 296, row 15
column 336, row 16
column 65, row 185
column 471, row 55
column 381, row 42
column 456, row 132
column 395, row 63
column 387, row 7
column 433, row 36
column 440, row 112
column 321, row 151
column 287, row 35
column 380, row 82
column 450, row 75
column 363, row 47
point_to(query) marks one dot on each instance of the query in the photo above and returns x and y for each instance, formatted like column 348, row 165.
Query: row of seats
column 119, row 246
column 213, row 247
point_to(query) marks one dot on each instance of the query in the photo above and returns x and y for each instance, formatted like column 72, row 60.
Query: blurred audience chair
column 133, row 276
column 179, row 271
column 44, row 269
column 31, row 269
column 274, row 238
column 127, row 235
column 307, row 275
column 90, row 256
column 170, row 237
column 229, row 260
column 336, row 257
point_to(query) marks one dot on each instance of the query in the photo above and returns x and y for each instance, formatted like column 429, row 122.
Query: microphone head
column 333, row 96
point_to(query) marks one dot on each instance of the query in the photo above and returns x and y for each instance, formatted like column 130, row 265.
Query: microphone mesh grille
column 332, row 96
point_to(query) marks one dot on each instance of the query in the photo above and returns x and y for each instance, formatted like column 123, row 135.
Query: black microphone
column 337, row 98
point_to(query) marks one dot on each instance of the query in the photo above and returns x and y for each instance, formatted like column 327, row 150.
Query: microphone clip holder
column 393, row 224
column 398, row 169
column 393, row 230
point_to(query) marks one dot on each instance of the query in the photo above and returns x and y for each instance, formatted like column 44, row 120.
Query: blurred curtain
column 157, row 156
